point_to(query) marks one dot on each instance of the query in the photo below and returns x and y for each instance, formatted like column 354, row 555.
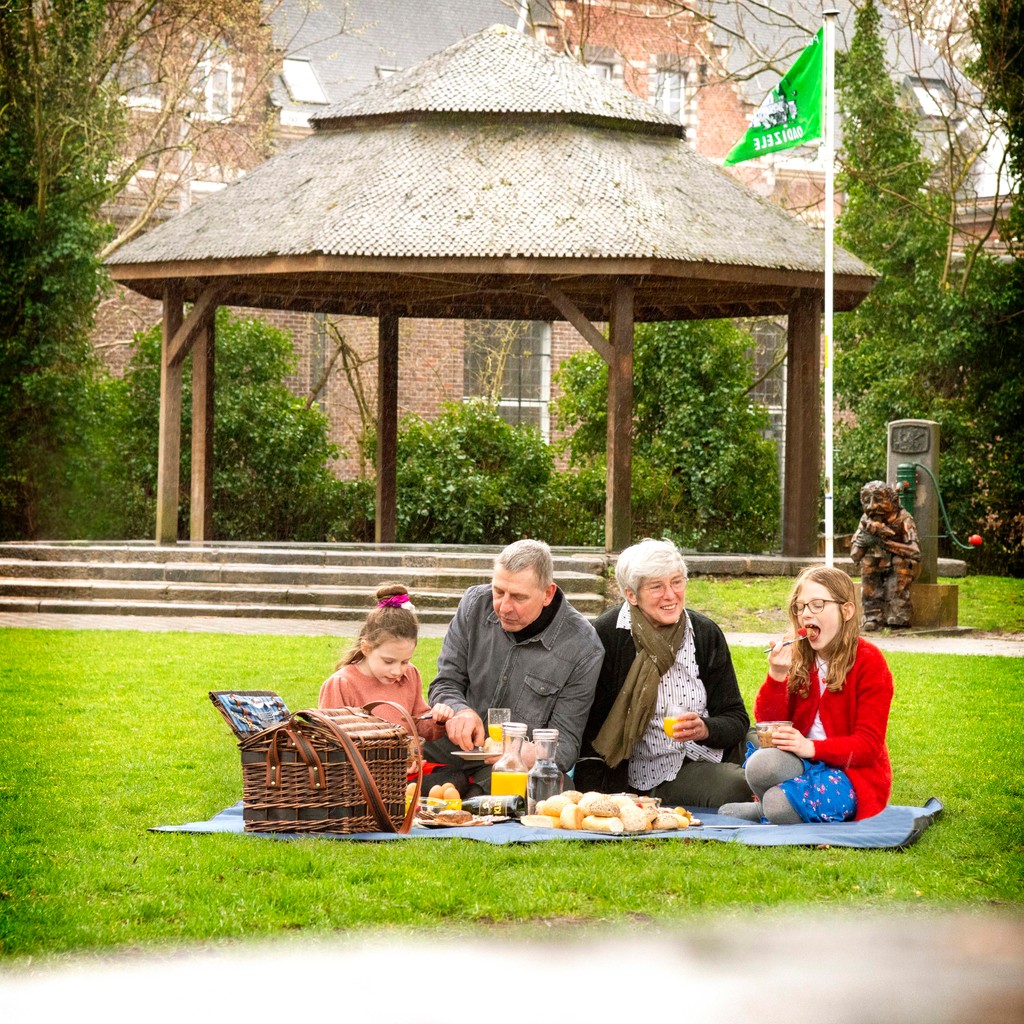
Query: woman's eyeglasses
column 660, row 588
column 814, row 607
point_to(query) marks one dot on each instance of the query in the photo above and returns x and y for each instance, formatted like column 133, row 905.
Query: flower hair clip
column 397, row 601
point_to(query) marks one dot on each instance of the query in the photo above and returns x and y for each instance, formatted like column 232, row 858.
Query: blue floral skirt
column 821, row 793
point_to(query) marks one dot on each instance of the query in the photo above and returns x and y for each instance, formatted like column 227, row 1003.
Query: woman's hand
column 442, row 712
column 793, row 741
column 690, row 726
column 466, row 729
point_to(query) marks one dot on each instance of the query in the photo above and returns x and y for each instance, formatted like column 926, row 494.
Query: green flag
column 791, row 113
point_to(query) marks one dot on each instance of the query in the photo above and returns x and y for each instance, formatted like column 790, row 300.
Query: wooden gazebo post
column 180, row 335
column 618, row 512
column 617, row 352
column 169, row 456
column 386, row 522
column 803, row 426
column 201, row 505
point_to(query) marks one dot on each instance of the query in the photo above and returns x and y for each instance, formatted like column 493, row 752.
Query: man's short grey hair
column 528, row 554
column 648, row 560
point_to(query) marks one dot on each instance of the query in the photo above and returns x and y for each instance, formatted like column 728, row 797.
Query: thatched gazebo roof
column 495, row 179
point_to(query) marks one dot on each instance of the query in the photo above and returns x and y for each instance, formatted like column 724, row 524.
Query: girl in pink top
column 378, row 667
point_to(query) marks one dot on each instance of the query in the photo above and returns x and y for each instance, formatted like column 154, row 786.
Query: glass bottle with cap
column 508, row 776
column 545, row 777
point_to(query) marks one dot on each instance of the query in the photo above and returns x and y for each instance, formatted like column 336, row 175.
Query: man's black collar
column 540, row 623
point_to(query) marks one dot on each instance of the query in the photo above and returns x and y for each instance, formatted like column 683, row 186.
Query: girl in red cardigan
column 378, row 667
column 831, row 764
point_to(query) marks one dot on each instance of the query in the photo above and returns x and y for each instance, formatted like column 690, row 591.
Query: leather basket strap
column 410, row 811
column 365, row 779
column 314, row 766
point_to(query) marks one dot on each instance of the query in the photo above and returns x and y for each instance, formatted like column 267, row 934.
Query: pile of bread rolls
column 599, row 812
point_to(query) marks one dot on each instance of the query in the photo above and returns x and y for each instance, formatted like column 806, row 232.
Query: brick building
column 709, row 74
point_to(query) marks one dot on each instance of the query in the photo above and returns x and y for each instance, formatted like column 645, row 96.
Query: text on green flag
column 791, row 113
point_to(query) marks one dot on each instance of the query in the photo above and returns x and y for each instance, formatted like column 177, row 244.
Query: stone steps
column 310, row 581
column 290, row 581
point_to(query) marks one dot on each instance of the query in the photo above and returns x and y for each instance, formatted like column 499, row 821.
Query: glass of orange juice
column 496, row 718
column 674, row 713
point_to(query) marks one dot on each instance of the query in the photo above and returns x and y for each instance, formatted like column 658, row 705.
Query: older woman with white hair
column 662, row 657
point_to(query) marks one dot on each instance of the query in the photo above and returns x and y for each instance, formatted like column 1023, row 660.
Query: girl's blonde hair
column 394, row 618
column 839, row 654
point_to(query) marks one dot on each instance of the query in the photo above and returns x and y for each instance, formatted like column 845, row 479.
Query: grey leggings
column 765, row 769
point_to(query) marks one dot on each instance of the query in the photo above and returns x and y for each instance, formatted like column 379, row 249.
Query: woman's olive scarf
column 656, row 649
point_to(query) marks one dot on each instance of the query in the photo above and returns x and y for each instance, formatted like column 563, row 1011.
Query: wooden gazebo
column 500, row 180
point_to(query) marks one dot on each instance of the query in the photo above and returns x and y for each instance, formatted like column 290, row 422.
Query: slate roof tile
column 405, row 186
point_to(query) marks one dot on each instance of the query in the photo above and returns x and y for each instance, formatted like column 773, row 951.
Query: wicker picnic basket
column 340, row 770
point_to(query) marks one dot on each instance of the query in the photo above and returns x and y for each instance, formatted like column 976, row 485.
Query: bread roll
column 572, row 794
column 665, row 821
column 634, row 819
column 593, row 823
column 553, row 805
column 571, row 816
column 540, row 821
column 622, row 799
column 599, row 805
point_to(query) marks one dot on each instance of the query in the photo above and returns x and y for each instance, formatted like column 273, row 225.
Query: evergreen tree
column 271, row 476
column 916, row 347
column 703, row 473
column 54, row 154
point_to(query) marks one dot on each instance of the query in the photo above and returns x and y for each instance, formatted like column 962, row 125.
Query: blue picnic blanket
column 895, row 827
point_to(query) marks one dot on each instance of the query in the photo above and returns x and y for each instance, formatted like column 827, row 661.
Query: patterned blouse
column 655, row 758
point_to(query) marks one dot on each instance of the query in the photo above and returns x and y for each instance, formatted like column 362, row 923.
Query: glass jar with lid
column 544, row 779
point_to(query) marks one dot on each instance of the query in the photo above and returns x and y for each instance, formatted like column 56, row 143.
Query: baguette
column 540, row 821
column 593, row 823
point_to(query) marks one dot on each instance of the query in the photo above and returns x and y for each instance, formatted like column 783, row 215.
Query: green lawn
column 106, row 733
column 756, row 603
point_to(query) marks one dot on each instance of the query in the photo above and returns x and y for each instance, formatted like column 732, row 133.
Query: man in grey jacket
column 516, row 644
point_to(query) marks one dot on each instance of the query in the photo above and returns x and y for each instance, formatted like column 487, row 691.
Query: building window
column 141, row 90
column 604, row 63
column 509, row 362
column 672, row 88
column 301, row 82
column 214, row 92
column 933, row 97
column 668, row 92
column 606, row 71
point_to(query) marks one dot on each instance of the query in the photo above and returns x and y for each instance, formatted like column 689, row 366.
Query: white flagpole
column 828, row 153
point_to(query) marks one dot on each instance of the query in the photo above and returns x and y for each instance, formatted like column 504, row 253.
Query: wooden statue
column 886, row 548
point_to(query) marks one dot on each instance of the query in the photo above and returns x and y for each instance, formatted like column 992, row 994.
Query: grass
column 106, row 733
column 993, row 604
